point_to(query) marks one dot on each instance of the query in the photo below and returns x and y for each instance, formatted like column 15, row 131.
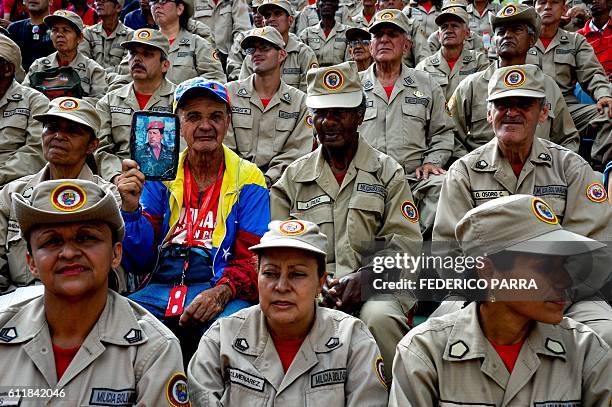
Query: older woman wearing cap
column 286, row 350
column 358, row 40
column 193, row 233
column 514, row 347
column 190, row 55
column 20, row 152
column 68, row 141
column 81, row 343
column 66, row 34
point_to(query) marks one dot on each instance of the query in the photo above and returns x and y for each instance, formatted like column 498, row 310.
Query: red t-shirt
column 326, row 32
column 451, row 62
column 546, row 41
column 89, row 16
column 427, row 6
column 62, row 63
column 508, row 353
column 63, row 357
column 368, row 18
column 172, row 41
column 517, row 168
column 202, row 209
column 142, row 99
column 340, row 177
column 287, row 349
column 265, row 102
column 389, row 90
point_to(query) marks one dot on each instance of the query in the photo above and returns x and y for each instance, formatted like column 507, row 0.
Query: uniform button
column 44, row 350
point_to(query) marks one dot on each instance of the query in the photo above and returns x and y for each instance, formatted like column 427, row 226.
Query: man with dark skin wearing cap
column 148, row 90
column 20, row 143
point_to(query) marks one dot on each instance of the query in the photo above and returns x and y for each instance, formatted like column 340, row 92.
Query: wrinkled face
column 389, row 44
column 146, row 64
column 550, row 11
column 513, row 40
column 278, row 18
column 166, row 12
column 204, row 123
column 359, row 49
column 391, row 5
column 64, row 37
column 66, row 143
column 288, row 283
column 327, row 8
column 155, row 137
column 107, row 8
column 336, row 127
column 452, row 32
column 264, row 56
column 514, row 119
column 73, row 260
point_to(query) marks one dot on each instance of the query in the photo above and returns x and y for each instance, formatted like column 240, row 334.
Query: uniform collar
column 337, row 28
column 79, row 61
column 371, row 83
column 119, row 30
column 366, row 159
column 247, row 90
column 292, row 44
column 45, row 174
column 561, row 37
column 165, row 88
column 117, row 324
column 12, row 94
column 183, row 38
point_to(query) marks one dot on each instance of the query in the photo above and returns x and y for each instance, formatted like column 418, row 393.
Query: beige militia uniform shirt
column 300, row 58
column 128, row 356
column 448, row 362
column 473, row 42
column 271, row 137
column 413, row 125
column 105, row 49
column 468, row 63
column 562, row 178
column 14, row 271
column 337, row 365
column 116, row 109
column 190, row 56
column 93, row 76
column 481, row 23
column 423, row 19
column 20, row 141
column 226, row 19
column 468, row 108
column 330, row 50
column 308, row 17
column 374, row 203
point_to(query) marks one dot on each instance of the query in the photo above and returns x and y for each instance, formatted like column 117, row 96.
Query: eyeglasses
column 335, row 111
column 160, row 2
column 354, row 43
column 261, row 48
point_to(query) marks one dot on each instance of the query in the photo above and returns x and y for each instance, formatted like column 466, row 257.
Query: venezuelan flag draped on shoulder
column 242, row 218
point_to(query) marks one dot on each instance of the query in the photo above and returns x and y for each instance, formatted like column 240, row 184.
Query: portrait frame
column 157, row 164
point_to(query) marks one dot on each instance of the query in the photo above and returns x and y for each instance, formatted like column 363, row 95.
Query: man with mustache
column 516, row 29
column 102, row 42
column 150, row 90
column 269, row 118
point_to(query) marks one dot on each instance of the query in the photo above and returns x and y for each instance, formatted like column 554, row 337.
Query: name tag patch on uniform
column 185, row 54
column 371, row 189
column 550, row 190
column 468, row 71
column 417, row 101
column 305, row 205
column 291, row 71
column 328, row 377
column 489, row 194
column 564, row 51
column 110, row 397
column 22, row 110
column 461, row 404
column 577, row 403
column 288, row 115
column 122, row 110
column 241, row 110
column 246, row 379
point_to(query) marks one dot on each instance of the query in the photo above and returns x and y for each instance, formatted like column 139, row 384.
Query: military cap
column 193, row 86
column 267, row 33
column 66, row 16
column 517, row 13
column 73, row 109
column 454, row 3
column 149, row 37
column 10, row 51
column 64, row 201
column 453, row 12
column 517, row 80
column 334, row 86
column 255, row 4
column 156, row 125
column 282, row 4
column 357, row 32
column 298, row 234
column 518, row 223
column 390, row 17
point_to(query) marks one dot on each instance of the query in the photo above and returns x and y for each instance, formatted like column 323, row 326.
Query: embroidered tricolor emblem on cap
column 68, row 197
column 543, row 212
column 292, row 228
column 68, row 104
column 143, row 34
column 410, row 211
column 333, row 79
column 509, row 10
column 596, row 192
column 514, row 78
column 387, row 16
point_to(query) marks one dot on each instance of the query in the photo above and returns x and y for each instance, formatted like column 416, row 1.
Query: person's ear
column 180, row 8
column 322, row 280
column 543, row 113
column 117, row 254
column 93, row 145
column 165, row 66
column 282, row 55
column 32, row 265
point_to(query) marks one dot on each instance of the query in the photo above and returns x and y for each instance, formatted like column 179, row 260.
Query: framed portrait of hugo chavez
column 155, row 144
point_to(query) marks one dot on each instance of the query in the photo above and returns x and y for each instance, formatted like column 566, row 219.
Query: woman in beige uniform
column 515, row 348
column 81, row 344
column 287, row 351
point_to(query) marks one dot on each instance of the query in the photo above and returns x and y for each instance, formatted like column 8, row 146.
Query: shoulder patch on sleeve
column 379, row 367
column 177, row 392
column 410, row 211
column 596, row 193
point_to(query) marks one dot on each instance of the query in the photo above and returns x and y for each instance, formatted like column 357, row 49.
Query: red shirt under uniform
column 601, row 41
column 63, row 357
column 286, row 349
column 508, row 353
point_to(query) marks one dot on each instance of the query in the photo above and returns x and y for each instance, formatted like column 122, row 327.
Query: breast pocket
column 414, row 121
column 315, row 44
column 120, row 130
column 364, row 220
column 327, row 396
column 481, row 130
column 16, row 256
column 283, row 130
column 243, row 131
column 12, row 124
column 565, row 64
